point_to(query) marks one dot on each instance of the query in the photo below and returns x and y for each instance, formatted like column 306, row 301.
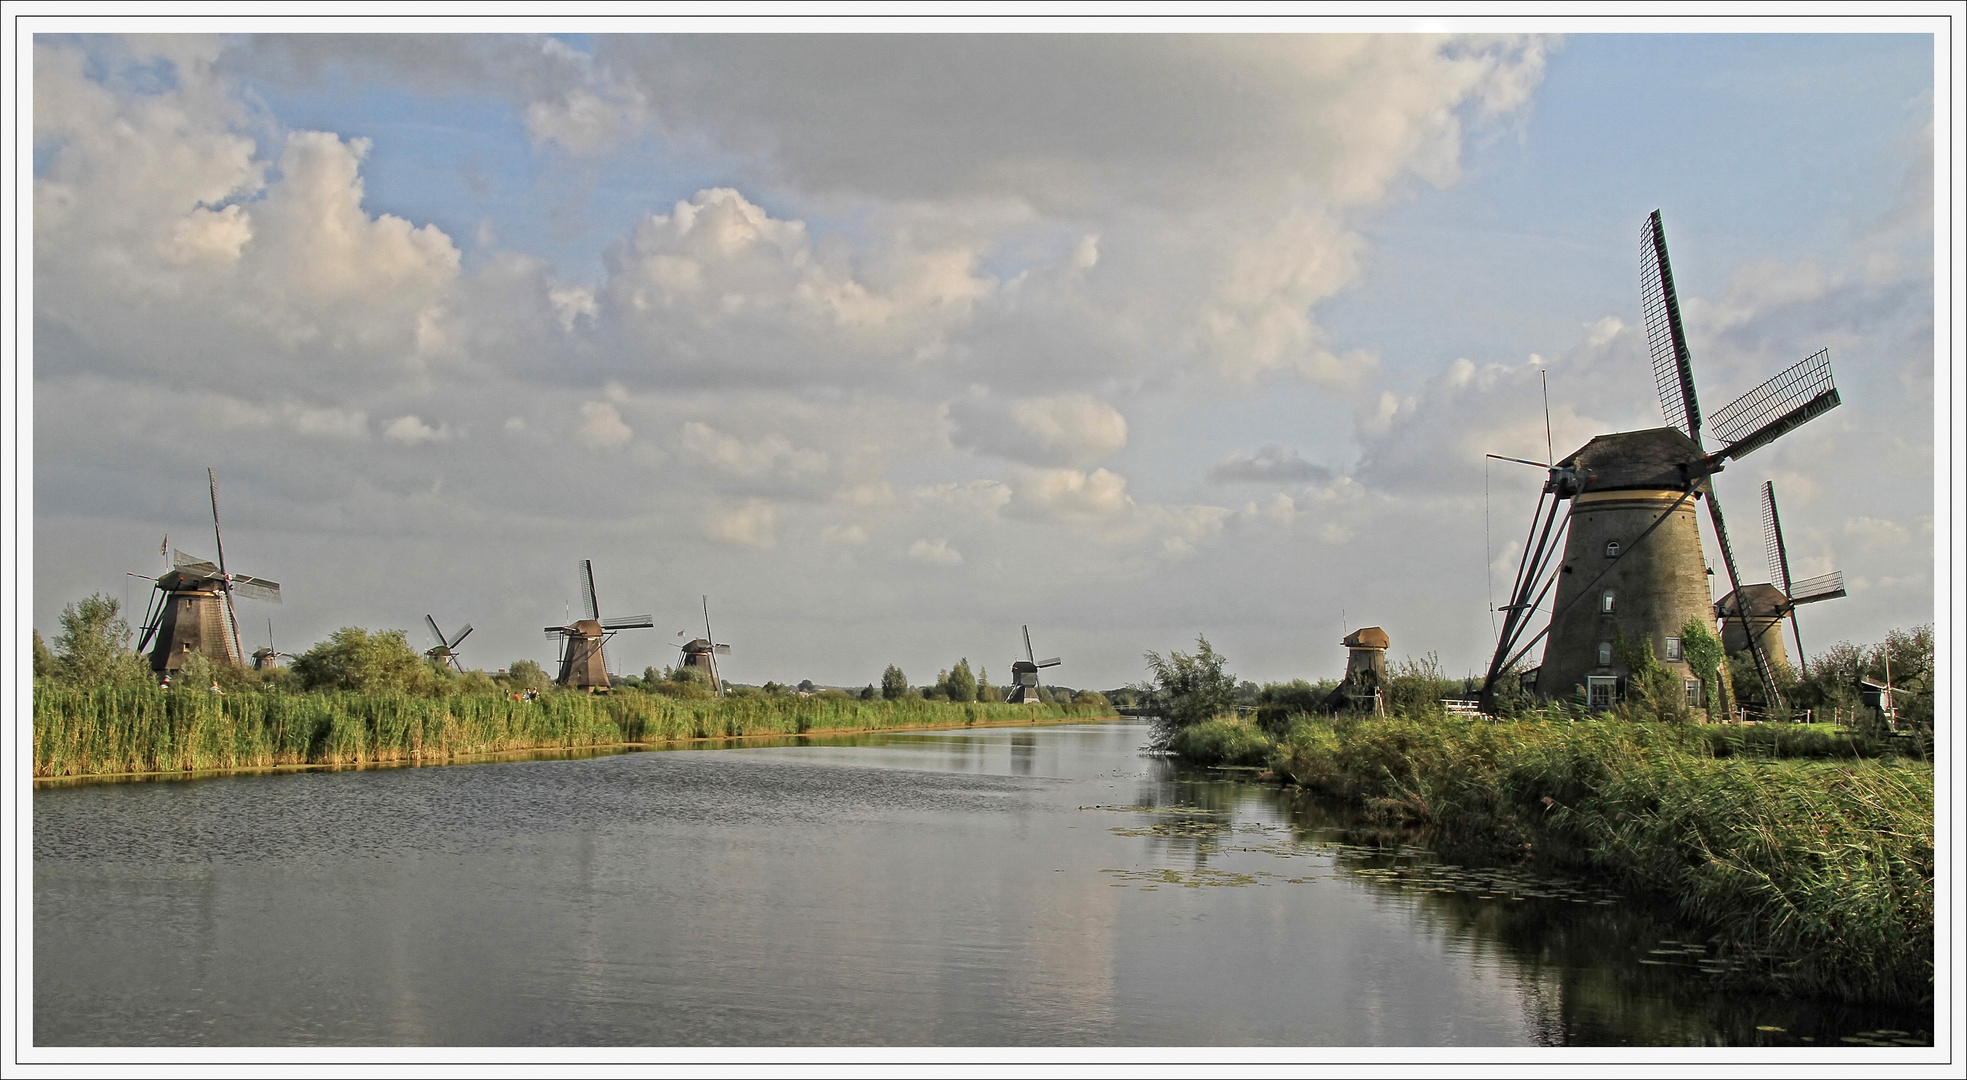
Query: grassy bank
column 1815, row 868
column 108, row 731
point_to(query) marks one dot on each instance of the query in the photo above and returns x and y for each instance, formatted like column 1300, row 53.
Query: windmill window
column 1611, row 549
column 1693, row 693
column 1605, row 602
column 1673, row 648
column 1604, row 654
column 1599, row 691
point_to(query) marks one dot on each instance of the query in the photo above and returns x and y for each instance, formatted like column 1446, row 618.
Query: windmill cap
column 1657, row 459
column 1761, row 600
column 1367, row 637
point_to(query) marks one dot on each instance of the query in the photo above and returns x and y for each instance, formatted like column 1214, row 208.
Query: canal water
column 1006, row 886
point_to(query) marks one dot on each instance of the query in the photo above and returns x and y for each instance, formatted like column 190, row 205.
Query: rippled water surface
column 1006, row 886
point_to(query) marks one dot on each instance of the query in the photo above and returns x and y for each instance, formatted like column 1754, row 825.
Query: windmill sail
column 1772, row 538
column 629, row 622
column 462, row 634
column 253, row 588
column 1798, row 394
column 1810, row 590
column 1673, row 370
column 589, row 602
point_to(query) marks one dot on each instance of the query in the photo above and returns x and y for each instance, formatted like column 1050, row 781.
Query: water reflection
column 993, row 886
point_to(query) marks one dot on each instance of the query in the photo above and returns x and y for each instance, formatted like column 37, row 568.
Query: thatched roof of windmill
column 1367, row 637
column 1654, row 459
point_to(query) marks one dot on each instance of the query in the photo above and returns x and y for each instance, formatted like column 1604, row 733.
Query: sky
column 892, row 344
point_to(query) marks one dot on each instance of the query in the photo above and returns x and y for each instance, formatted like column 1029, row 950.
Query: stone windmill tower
column 192, row 610
column 1631, row 569
column 583, row 657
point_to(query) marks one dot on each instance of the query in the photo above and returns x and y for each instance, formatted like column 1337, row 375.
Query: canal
column 1006, row 886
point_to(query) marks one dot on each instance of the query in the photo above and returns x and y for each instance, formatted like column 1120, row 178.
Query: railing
column 1462, row 706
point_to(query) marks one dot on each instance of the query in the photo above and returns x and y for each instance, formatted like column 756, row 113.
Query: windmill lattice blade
column 1053, row 662
column 436, row 634
column 1673, row 371
column 725, row 649
column 557, row 631
column 629, row 622
column 1028, row 654
column 253, row 588
column 1796, row 395
column 588, row 600
column 1827, row 587
column 185, row 558
column 462, row 634
column 1772, row 538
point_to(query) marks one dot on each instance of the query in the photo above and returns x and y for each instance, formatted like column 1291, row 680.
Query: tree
column 354, row 659
column 985, row 691
column 93, row 648
column 524, row 675
column 1189, row 688
column 869, row 693
column 960, row 685
column 894, row 684
column 806, row 686
column 44, row 658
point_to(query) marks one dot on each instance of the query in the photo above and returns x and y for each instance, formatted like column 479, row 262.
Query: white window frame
column 1673, row 648
column 1605, row 603
column 1693, row 693
column 1601, row 691
column 1611, row 549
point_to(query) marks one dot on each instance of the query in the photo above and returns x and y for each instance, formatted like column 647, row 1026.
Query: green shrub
column 1222, row 741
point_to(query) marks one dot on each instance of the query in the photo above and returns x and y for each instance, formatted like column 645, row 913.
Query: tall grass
column 107, row 730
column 1820, row 871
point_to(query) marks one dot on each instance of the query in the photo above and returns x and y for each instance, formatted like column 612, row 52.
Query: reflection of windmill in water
column 1765, row 606
column 446, row 649
column 192, row 609
column 702, row 653
column 583, row 656
column 1632, row 569
column 1024, row 674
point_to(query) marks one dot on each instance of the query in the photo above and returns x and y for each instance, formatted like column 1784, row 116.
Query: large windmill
column 1763, row 607
column 702, row 653
column 583, row 657
column 192, row 607
column 1024, row 674
column 1632, row 569
column 446, row 649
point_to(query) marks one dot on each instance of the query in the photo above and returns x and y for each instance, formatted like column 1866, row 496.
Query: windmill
column 192, row 608
column 583, row 657
column 702, row 653
column 1024, row 674
column 1632, row 569
column 1764, row 607
column 446, row 649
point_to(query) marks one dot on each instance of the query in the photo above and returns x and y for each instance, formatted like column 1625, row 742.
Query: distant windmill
column 1024, row 674
column 583, row 658
column 1632, row 566
column 446, row 648
column 1764, row 606
column 702, row 653
column 192, row 608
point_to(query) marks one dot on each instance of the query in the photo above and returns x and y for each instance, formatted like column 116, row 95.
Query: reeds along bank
column 100, row 731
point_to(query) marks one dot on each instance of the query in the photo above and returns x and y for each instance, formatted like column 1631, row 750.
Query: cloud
column 843, row 534
column 411, row 430
column 1069, row 496
column 773, row 453
column 1268, row 464
column 937, row 552
column 1066, row 429
column 750, row 524
column 601, row 426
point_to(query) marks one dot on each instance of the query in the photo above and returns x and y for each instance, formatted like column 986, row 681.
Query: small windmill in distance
column 1024, row 674
column 583, row 658
column 192, row 608
column 702, row 653
column 446, row 648
column 1766, row 605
